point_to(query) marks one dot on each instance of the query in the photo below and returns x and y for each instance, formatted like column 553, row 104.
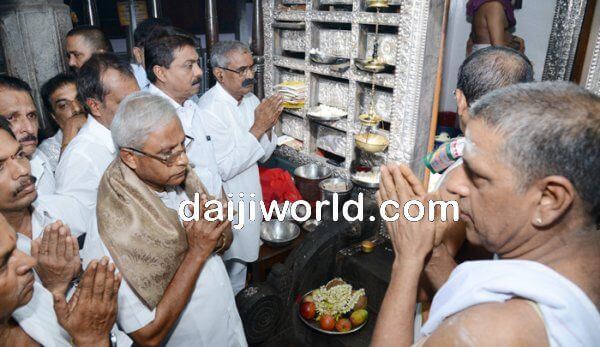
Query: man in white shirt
column 102, row 83
column 143, row 32
column 59, row 95
column 17, row 106
column 18, row 290
column 54, row 248
column 175, row 293
column 529, row 195
column 240, row 126
column 27, row 213
column 173, row 69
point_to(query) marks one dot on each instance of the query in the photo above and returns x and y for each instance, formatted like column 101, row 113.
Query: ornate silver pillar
column 33, row 40
column 562, row 45
column 592, row 81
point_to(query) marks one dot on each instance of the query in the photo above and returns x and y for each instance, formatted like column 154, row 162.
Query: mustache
column 249, row 82
column 29, row 137
column 197, row 81
column 79, row 113
column 24, row 183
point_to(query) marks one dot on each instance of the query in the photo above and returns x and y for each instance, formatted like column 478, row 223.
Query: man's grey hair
column 139, row 115
column 551, row 128
column 492, row 68
column 219, row 57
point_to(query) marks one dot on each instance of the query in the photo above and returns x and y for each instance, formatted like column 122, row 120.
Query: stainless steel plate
column 327, row 118
column 364, row 184
column 315, row 325
column 321, row 58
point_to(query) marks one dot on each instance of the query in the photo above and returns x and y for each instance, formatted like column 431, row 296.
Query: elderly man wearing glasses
column 176, row 290
column 241, row 128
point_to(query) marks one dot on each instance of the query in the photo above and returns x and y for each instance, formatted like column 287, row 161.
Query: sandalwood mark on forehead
column 470, row 147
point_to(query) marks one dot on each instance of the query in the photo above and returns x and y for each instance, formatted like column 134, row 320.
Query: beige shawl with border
column 144, row 237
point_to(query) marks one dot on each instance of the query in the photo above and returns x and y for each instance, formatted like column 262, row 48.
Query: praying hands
column 57, row 255
column 266, row 115
column 92, row 311
column 204, row 237
column 412, row 242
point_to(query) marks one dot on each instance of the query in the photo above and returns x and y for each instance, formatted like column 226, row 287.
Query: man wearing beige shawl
column 176, row 291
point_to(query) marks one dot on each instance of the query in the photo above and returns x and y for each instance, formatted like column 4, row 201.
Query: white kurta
column 228, row 124
column 38, row 318
column 43, row 171
column 140, row 75
column 82, row 165
column 51, row 148
column 210, row 317
column 201, row 155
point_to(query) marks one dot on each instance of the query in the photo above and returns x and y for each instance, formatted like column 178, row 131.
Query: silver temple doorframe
column 562, row 45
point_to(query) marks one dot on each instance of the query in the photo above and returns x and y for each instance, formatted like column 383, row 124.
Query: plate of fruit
column 335, row 308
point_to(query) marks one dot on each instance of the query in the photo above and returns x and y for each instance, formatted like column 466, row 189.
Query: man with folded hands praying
column 175, row 290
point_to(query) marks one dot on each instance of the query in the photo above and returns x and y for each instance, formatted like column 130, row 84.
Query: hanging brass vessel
column 378, row 3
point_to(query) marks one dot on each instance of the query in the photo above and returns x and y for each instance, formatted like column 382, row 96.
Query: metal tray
column 324, row 119
column 315, row 324
column 360, row 64
column 364, row 184
column 324, row 59
column 329, row 118
column 289, row 25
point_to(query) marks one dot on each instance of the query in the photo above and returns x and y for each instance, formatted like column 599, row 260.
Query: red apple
column 343, row 325
column 307, row 310
column 327, row 322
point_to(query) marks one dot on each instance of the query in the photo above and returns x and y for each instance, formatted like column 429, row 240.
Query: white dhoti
column 237, row 271
column 570, row 317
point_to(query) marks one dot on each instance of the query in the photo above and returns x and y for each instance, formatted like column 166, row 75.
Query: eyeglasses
column 244, row 70
column 170, row 159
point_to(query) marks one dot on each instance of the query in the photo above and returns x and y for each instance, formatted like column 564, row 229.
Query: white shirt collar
column 185, row 111
column 225, row 96
column 100, row 132
column 171, row 197
column 40, row 217
column 38, row 163
column 140, row 75
column 58, row 137
column 153, row 89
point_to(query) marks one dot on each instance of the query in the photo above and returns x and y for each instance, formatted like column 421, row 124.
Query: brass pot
column 372, row 143
column 378, row 3
column 369, row 119
column 370, row 65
